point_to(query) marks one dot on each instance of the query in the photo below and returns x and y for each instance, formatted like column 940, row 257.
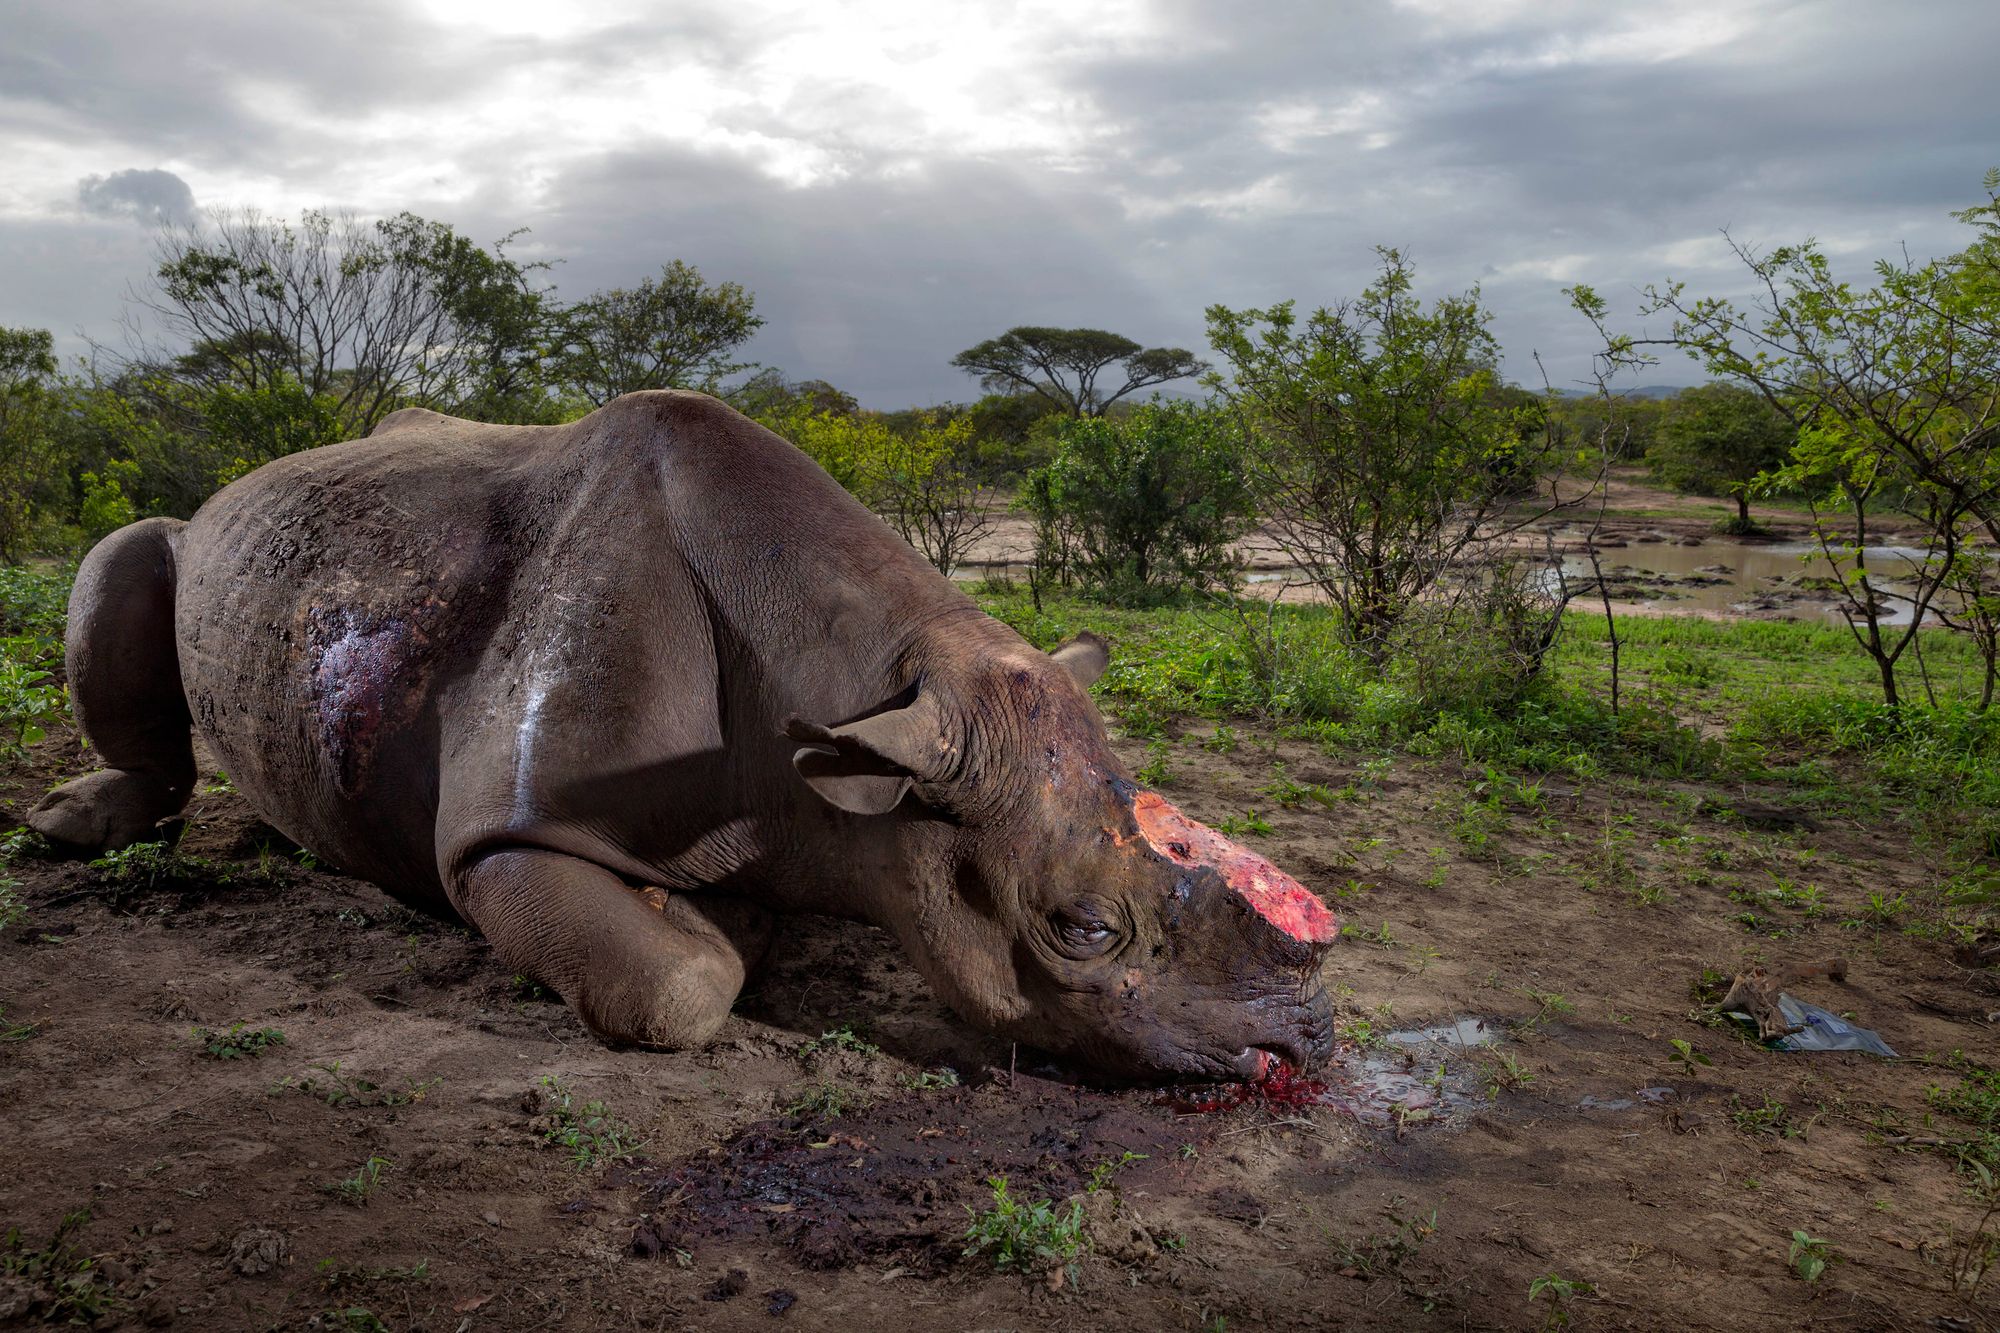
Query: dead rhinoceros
column 619, row 691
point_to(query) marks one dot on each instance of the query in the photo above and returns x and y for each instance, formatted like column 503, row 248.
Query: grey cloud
column 151, row 196
column 1504, row 165
column 871, row 284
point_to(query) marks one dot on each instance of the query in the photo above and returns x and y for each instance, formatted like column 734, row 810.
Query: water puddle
column 1466, row 1032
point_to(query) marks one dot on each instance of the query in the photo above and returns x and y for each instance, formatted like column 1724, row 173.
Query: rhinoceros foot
column 103, row 811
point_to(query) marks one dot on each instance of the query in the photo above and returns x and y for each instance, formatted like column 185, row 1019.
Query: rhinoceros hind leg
column 125, row 684
column 639, row 966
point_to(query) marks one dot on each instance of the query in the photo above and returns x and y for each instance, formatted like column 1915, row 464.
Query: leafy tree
column 1894, row 394
column 769, row 394
column 918, row 480
column 106, row 505
column 922, row 484
column 1062, row 366
column 372, row 316
column 1717, row 440
column 847, row 447
column 1380, row 451
column 1145, row 505
column 670, row 332
column 30, row 447
column 253, row 426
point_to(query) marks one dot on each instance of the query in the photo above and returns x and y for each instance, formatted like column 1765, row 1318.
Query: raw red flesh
column 1278, row 898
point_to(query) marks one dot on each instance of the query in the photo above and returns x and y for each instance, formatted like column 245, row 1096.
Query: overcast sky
column 898, row 181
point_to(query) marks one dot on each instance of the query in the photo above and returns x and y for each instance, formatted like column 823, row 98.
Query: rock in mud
column 729, row 1285
column 258, row 1250
column 1114, row 1228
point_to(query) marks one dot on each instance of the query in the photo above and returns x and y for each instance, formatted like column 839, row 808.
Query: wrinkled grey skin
column 620, row 692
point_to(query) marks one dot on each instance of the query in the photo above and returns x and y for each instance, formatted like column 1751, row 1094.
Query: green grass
column 587, row 1131
column 1793, row 705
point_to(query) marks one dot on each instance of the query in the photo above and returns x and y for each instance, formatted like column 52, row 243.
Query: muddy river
column 1715, row 576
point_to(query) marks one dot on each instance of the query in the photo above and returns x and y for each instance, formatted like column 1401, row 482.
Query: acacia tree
column 670, row 332
column 1063, row 366
column 1718, row 439
column 1379, row 449
column 370, row 316
column 1894, row 392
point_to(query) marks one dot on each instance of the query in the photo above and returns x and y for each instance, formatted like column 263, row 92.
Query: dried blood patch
column 1278, row 898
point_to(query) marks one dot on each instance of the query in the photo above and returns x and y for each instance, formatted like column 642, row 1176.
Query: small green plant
column 526, row 988
column 1361, row 1032
column 1028, row 1237
column 1101, row 1174
column 239, row 1042
column 842, row 1038
column 1440, row 868
column 1977, row 1252
column 1222, row 742
column 824, row 1100
column 1380, row 935
column 30, row 699
column 63, row 1282
column 357, row 1188
column 588, row 1132
column 155, row 865
column 1550, row 1004
column 930, row 1080
column 1687, row 1057
column 1158, row 770
column 1507, row 1074
column 1771, row 1117
column 1808, row 898
column 1558, row 1291
column 1882, row 910
column 12, row 910
column 337, row 1088
column 1977, row 1096
column 1383, row 1253
column 1810, row 1256
column 1251, row 822
column 15, row 1031
column 348, row 1319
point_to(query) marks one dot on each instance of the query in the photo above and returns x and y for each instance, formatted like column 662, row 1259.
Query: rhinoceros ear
column 865, row 766
column 1084, row 657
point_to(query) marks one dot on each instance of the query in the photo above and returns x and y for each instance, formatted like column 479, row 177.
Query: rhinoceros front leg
column 637, row 965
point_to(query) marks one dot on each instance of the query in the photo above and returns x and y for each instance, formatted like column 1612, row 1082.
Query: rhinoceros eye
column 1083, row 931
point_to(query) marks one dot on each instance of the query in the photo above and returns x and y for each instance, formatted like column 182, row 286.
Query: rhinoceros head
column 1055, row 901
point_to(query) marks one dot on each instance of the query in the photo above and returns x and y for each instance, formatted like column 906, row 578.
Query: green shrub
column 1028, row 1237
column 1146, row 505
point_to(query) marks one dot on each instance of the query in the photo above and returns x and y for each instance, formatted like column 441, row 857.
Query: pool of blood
column 1379, row 1088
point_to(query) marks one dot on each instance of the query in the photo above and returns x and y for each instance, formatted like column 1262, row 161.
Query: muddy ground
column 828, row 1186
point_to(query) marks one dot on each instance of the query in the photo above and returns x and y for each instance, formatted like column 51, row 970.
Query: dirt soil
column 786, row 1177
